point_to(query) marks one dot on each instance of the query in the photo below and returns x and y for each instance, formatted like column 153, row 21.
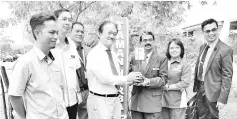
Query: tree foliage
column 5, row 47
column 160, row 17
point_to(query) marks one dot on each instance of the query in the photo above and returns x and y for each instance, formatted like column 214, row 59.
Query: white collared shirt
column 40, row 83
column 148, row 57
column 209, row 52
column 83, row 51
column 69, row 61
column 100, row 77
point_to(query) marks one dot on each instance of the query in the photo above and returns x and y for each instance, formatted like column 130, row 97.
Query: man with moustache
column 103, row 79
column 146, row 96
column 77, row 35
column 69, row 60
column 36, row 75
column 213, row 72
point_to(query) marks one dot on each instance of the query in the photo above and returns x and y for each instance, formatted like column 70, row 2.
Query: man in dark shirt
column 77, row 35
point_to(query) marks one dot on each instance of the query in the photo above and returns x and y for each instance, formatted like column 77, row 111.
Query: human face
column 48, row 35
column 210, row 32
column 64, row 22
column 108, row 36
column 77, row 33
column 147, row 42
column 174, row 50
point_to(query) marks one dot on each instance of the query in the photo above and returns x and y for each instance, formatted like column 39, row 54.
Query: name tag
column 72, row 56
column 155, row 69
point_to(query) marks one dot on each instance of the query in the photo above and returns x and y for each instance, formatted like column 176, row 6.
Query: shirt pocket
column 157, row 94
column 56, row 76
column 73, row 62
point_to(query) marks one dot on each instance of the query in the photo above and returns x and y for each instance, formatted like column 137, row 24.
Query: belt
column 105, row 95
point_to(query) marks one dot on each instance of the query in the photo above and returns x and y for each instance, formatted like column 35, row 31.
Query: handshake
column 136, row 78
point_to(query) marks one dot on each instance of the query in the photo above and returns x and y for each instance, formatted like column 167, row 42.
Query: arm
column 227, row 73
column 96, row 65
column 162, row 79
column 18, row 80
column 18, row 105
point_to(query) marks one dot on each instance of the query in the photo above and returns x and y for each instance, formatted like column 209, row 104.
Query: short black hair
column 39, row 19
column 101, row 27
column 208, row 21
column 74, row 23
column 59, row 11
column 147, row 33
column 177, row 42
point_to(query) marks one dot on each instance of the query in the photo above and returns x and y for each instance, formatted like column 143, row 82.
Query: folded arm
column 161, row 80
column 185, row 79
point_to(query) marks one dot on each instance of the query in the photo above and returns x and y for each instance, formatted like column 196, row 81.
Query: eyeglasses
column 82, row 32
column 150, row 40
column 209, row 31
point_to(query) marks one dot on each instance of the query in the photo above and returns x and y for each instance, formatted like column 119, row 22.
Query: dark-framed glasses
column 209, row 31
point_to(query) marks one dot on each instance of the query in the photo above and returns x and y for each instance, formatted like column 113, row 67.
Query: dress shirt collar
column 41, row 55
column 102, row 46
column 178, row 60
column 213, row 44
column 173, row 61
column 149, row 54
column 67, row 43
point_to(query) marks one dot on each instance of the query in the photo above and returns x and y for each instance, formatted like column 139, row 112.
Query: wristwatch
column 168, row 87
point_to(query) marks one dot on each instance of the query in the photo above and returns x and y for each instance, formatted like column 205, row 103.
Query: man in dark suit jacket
column 77, row 35
column 146, row 96
column 213, row 72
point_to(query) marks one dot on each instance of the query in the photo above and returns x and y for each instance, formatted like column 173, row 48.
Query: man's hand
column 134, row 77
column 220, row 105
column 146, row 82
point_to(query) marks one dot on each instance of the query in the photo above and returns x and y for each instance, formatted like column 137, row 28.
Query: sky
column 224, row 10
column 4, row 7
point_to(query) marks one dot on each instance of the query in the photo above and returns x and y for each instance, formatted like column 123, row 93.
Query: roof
column 198, row 26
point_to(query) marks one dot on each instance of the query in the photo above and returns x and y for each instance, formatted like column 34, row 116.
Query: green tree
column 5, row 47
column 156, row 16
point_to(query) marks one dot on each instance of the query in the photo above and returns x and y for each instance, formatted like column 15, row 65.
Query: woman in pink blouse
column 174, row 101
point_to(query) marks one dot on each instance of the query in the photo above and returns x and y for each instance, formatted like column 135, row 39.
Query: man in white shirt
column 103, row 101
column 69, row 60
column 37, row 77
column 77, row 35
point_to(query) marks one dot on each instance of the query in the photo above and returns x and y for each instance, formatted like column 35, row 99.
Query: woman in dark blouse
column 174, row 101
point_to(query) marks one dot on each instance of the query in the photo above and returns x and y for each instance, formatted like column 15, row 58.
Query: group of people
column 163, row 93
column 61, row 78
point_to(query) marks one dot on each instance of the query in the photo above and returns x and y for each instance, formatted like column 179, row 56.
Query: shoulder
column 185, row 64
column 160, row 57
column 132, row 56
column 25, row 59
column 224, row 47
column 202, row 46
column 86, row 49
column 94, row 51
